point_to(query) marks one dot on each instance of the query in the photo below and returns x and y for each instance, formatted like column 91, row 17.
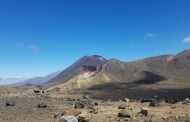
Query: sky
column 38, row 37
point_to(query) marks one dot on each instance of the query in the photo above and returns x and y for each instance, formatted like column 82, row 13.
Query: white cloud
column 186, row 40
column 34, row 48
column 150, row 35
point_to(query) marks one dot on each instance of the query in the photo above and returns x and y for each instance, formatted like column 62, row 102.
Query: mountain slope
column 74, row 69
column 179, row 66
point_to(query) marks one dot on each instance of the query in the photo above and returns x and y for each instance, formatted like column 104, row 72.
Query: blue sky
column 42, row 36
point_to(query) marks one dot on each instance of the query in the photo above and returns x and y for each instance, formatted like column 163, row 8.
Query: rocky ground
column 40, row 107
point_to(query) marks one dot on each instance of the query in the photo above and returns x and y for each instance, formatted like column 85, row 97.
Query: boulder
column 146, row 100
column 70, row 99
column 68, row 119
column 34, row 91
column 154, row 104
column 127, row 120
column 42, row 105
column 93, row 110
column 124, row 114
column 79, row 105
column 82, row 119
column 127, row 100
column 86, row 96
column 122, row 106
column 185, row 102
column 10, row 103
column 171, row 101
column 144, row 111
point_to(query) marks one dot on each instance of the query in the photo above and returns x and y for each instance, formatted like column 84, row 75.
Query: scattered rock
column 127, row 100
column 82, row 119
column 156, row 98
column 96, row 103
column 86, row 96
column 186, row 101
column 124, row 113
column 10, row 103
column 154, row 104
column 70, row 99
column 146, row 100
column 63, row 113
column 171, row 101
column 68, row 119
column 144, row 111
column 34, row 91
column 42, row 105
column 94, row 110
column 79, row 105
column 122, row 106
column 127, row 120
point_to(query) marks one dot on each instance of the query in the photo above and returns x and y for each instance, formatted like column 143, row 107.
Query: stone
column 127, row 100
column 82, row 119
column 86, row 96
column 34, row 91
column 94, row 110
column 63, row 113
column 186, row 101
column 156, row 98
column 146, row 100
column 42, row 105
column 70, row 99
column 124, row 114
column 10, row 103
column 96, row 103
column 154, row 104
column 171, row 101
column 79, row 105
column 122, row 106
column 127, row 120
column 68, row 119
column 144, row 111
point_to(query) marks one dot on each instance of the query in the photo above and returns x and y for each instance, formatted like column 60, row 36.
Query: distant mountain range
column 22, row 81
column 109, row 77
column 98, row 73
column 5, row 81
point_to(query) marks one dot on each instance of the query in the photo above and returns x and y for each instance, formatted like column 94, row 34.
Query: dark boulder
column 42, row 105
column 10, row 103
column 79, row 105
column 93, row 110
column 82, row 119
column 146, row 100
column 124, row 113
column 154, row 104
column 144, row 111
column 122, row 106
column 171, row 101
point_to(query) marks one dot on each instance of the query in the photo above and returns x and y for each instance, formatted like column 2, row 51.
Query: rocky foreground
column 40, row 107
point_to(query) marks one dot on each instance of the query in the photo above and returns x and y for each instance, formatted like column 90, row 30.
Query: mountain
column 74, row 69
column 101, row 77
column 179, row 67
column 37, row 80
column 5, row 81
